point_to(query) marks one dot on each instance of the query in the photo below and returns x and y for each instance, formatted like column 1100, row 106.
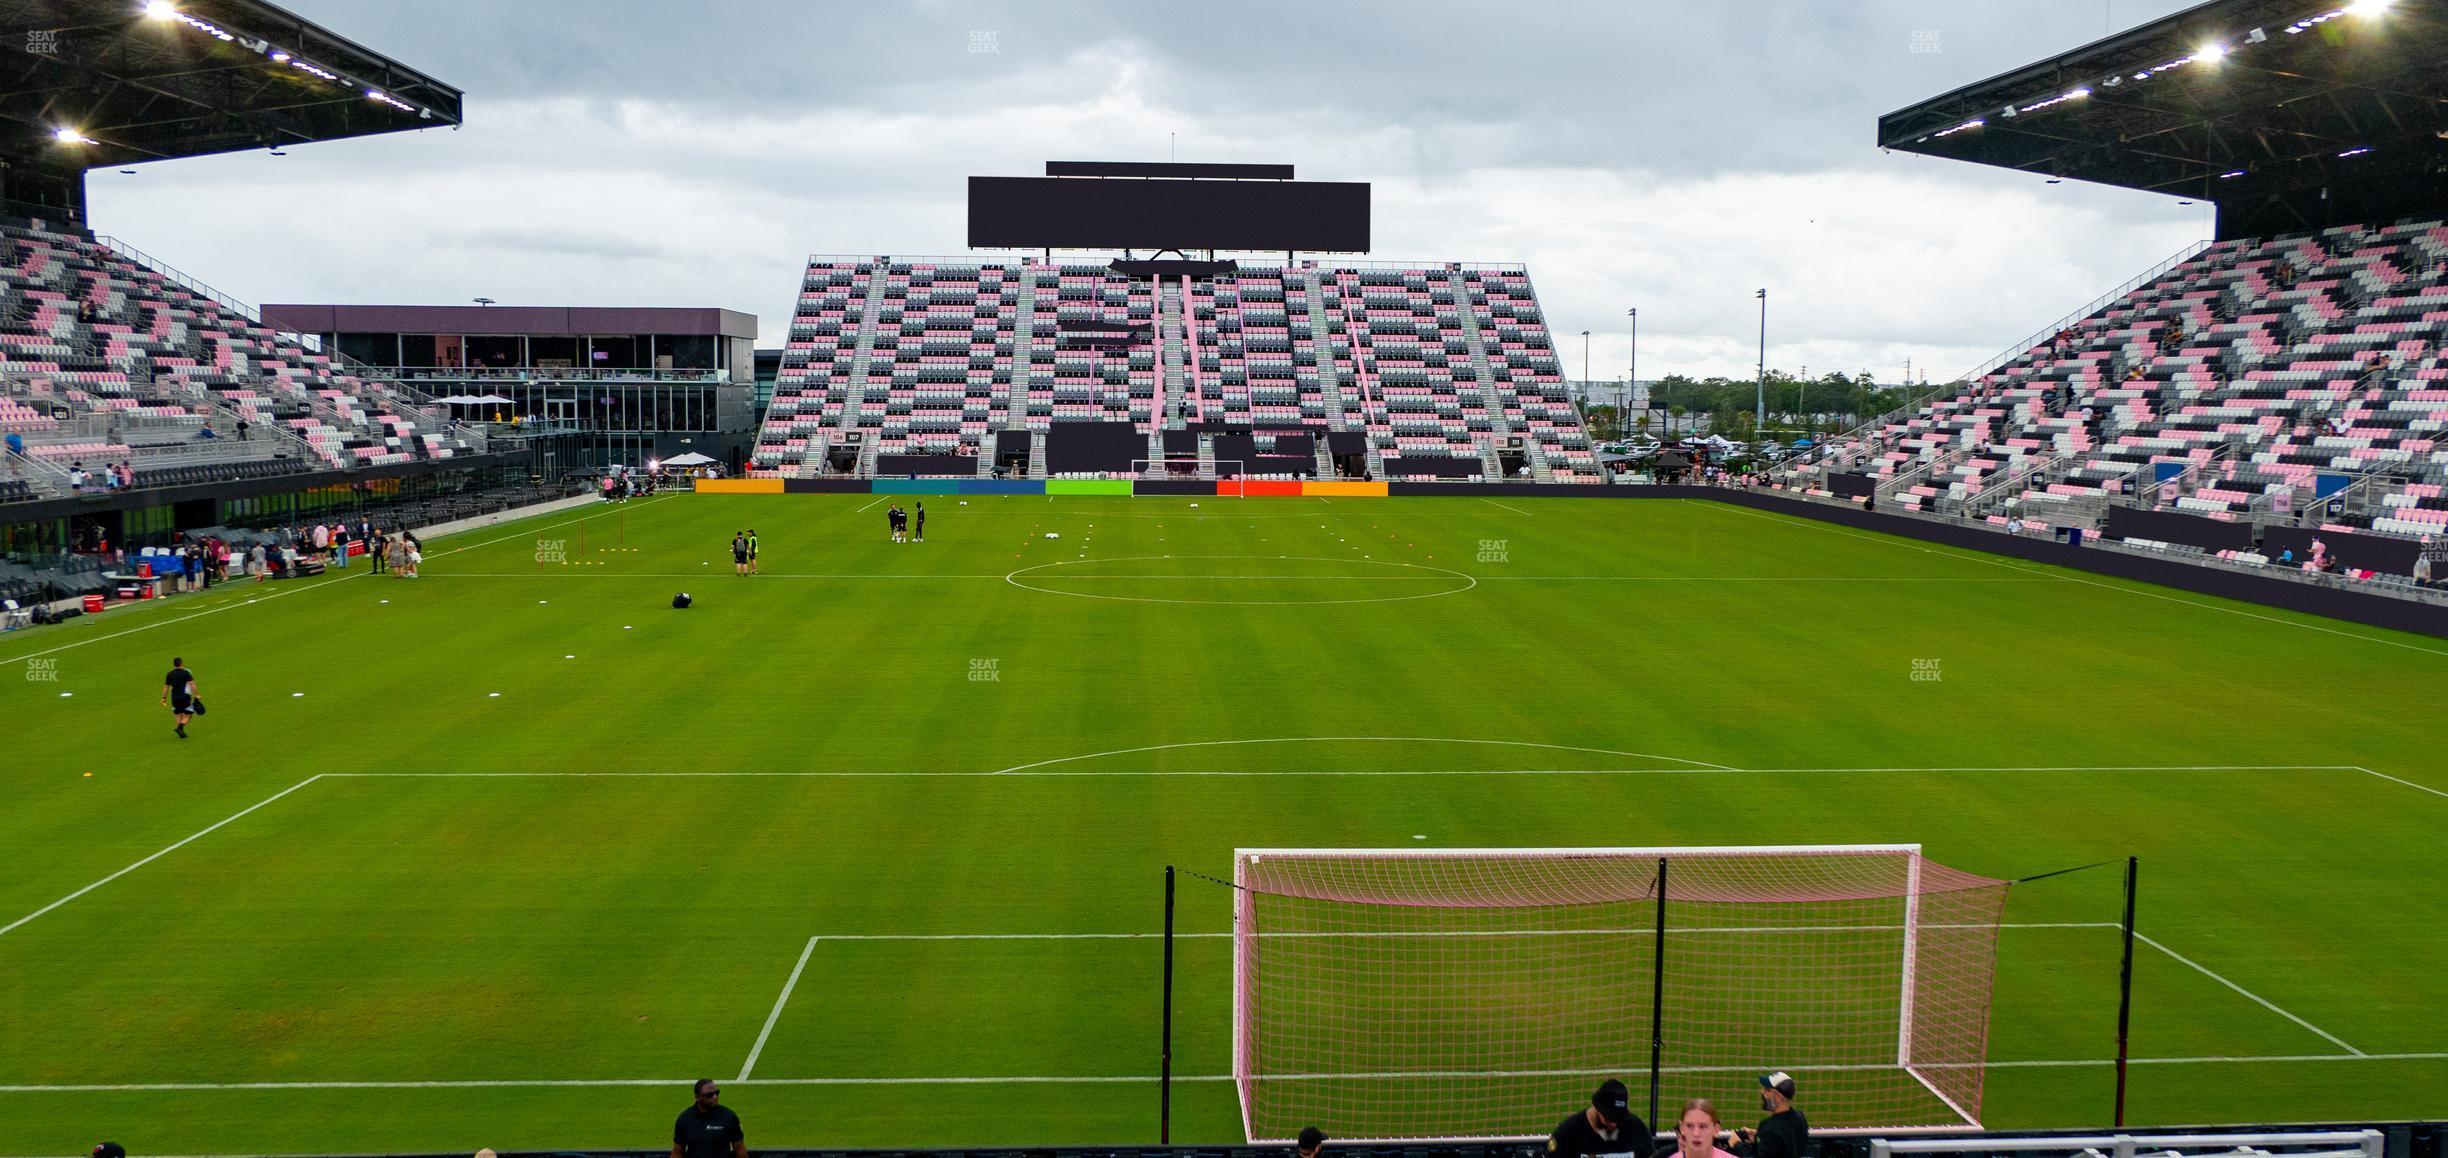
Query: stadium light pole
column 1632, row 373
column 1760, row 417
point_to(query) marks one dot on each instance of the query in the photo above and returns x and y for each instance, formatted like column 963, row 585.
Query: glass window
column 372, row 349
column 495, row 351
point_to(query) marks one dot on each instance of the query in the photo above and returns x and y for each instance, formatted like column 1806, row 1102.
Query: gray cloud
column 1668, row 156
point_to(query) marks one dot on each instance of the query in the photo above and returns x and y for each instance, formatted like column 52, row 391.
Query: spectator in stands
column 1606, row 1126
column 242, row 430
column 2422, row 569
column 76, row 477
column 1312, row 1140
column 206, row 434
column 708, row 1129
column 1696, row 1132
column 1784, row 1133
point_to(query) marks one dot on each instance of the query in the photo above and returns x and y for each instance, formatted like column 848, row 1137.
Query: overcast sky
column 1672, row 157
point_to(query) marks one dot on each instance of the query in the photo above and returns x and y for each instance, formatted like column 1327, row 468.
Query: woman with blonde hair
column 1696, row 1133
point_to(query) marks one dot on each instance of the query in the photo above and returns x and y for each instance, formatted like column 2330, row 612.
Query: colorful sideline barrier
column 1254, row 488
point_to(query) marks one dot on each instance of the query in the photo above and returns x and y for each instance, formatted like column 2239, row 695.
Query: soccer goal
column 1481, row 994
column 1182, row 467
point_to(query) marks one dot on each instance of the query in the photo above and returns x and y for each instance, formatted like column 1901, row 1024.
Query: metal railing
column 550, row 374
column 410, row 398
column 1270, row 259
column 2306, row 1144
column 2019, row 349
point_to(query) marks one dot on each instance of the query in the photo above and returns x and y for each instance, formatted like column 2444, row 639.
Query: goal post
column 1182, row 467
column 1392, row 995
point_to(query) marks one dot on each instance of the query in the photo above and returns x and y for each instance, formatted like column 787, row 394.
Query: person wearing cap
column 1312, row 1140
column 1606, row 1126
column 109, row 1150
column 1784, row 1133
column 708, row 1129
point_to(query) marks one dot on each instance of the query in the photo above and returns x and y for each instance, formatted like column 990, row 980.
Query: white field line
column 1352, row 739
column 1641, row 931
column 6, row 929
column 2407, row 783
column 290, row 587
column 759, row 1048
column 2256, row 998
column 1147, row 1079
column 871, row 502
column 546, row 527
column 816, row 576
column 1515, row 510
column 1034, row 772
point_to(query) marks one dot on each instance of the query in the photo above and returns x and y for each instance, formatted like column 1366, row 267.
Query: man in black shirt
column 708, row 1129
column 1312, row 1140
column 921, row 522
column 1606, row 1126
column 178, row 691
column 1784, row 1133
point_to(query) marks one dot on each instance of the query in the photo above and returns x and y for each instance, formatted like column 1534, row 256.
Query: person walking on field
column 179, row 693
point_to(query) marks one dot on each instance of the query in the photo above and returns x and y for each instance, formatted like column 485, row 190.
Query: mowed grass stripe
column 401, row 928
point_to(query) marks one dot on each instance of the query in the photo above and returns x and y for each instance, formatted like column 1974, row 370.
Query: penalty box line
column 1143, row 1079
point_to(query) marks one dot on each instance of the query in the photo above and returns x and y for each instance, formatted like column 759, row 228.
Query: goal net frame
column 1224, row 468
column 1247, row 936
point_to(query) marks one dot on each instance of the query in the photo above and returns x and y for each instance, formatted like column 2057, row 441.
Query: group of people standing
column 904, row 528
column 113, row 476
column 1608, row 1125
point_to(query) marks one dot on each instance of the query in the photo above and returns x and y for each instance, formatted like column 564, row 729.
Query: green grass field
column 506, row 855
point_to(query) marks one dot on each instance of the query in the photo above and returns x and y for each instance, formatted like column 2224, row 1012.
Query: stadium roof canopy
column 135, row 81
column 2250, row 103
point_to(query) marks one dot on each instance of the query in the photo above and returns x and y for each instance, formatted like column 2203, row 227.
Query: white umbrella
column 690, row 459
column 489, row 399
column 458, row 400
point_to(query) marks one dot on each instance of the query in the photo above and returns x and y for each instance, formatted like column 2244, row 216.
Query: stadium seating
column 104, row 356
column 2254, row 378
column 907, row 356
